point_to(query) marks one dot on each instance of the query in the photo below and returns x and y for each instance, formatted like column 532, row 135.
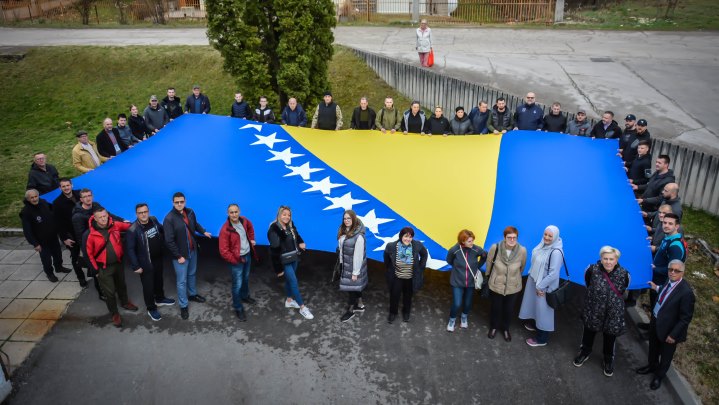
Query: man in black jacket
column 43, row 177
column 38, row 226
column 109, row 142
column 662, row 176
column 172, row 104
column 145, row 245
column 363, row 117
column 180, row 227
column 240, row 108
column 671, row 316
column 606, row 128
column 62, row 208
column 639, row 169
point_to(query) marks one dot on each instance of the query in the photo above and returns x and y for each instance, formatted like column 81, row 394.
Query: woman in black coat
column 405, row 260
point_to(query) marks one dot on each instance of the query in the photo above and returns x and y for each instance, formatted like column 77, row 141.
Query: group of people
column 92, row 235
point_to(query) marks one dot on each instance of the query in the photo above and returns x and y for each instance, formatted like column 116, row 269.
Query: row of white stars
column 325, row 186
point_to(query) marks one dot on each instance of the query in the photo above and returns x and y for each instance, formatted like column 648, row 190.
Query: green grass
column 53, row 92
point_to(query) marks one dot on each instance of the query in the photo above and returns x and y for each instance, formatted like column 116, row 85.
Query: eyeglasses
column 670, row 270
column 511, row 237
column 142, row 212
column 178, row 202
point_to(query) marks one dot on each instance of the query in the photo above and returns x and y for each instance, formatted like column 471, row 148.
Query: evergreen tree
column 276, row 48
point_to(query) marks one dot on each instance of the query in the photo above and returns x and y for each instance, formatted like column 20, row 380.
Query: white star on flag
column 346, row 202
column 269, row 140
column 257, row 127
column 324, row 185
column 303, row 171
column 285, row 156
column 385, row 241
column 435, row 263
column 371, row 221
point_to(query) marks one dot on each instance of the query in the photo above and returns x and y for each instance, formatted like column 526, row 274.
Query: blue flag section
column 577, row 184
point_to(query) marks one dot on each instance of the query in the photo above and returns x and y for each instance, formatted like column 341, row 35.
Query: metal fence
column 697, row 173
column 447, row 11
column 100, row 11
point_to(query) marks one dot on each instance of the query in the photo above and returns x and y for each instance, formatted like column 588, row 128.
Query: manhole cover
column 601, row 59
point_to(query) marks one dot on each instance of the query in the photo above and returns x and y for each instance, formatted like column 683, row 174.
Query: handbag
column 291, row 256
column 560, row 296
column 478, row 279
column 336, row 271
column 430, row 58
column 484, row 293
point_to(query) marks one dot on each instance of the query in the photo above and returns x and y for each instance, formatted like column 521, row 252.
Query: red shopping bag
column 430, row 58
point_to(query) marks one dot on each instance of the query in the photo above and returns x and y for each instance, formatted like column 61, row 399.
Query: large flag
column 438, row 185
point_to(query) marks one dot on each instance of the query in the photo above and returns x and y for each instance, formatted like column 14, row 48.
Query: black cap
column 80, row 133
column 327, row 93
column 642, row 122
column 630, row 117
column 459, row 108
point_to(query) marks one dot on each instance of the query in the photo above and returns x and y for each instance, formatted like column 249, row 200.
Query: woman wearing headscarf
column 405, row 260
column 465, row 258
column 505, row 263
column 547, row 259
column 352, row 257
column 603, row 311
column 286, row 244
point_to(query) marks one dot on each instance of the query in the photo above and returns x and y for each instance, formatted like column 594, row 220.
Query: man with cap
column 197, row 103
column 85, row 156
column 642, row 131
column 109, row 142
column 579, row 125
column 328, row 115
column 628, row 138
column 155, row 116
column 43, row 177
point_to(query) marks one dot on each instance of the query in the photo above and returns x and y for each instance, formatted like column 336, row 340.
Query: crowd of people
column 94, row 236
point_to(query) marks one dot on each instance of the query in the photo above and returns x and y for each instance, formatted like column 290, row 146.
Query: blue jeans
column 186, row 278
column 542, row 336
column 240, row 278
column 292, row 290
column 457, row 294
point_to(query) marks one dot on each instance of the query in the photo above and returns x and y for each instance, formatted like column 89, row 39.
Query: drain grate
column 601, row 59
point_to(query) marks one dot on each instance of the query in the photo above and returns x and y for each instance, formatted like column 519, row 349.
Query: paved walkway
column 667, row 78
column 278, row 357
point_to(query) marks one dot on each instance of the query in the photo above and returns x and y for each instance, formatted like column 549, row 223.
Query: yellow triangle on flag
column 440, row 184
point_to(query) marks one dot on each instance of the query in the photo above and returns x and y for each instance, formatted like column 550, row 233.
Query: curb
column 675, row 381
column 10, row 232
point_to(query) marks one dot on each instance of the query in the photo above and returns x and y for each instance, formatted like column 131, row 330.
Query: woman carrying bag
column 505, row 263
column 286, row 245
column 465, row 258
column 547, row 259
column 424, row 43
column 352, row 259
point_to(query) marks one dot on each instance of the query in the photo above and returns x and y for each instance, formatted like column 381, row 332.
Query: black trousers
column 502, row 310
column 354, row 297
column 76, row 261
column 653, row 297
column 588, row 342
column 50, row 255
column 152, row 283
column 400, row 287
column 661, row 353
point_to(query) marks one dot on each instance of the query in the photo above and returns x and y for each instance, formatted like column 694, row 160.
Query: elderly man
column 155, row 116
column 671, row 316
column 293, row 114
column 529, row 116
column 328, row 115
column 85, row 156
column 363, row 116
column 43, row 177
column 197, row 103
column 104, row 251
column 38, row 226
column 109, row 141
column 389, row 117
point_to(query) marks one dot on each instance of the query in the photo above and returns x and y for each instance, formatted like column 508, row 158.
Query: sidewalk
column 278, row 357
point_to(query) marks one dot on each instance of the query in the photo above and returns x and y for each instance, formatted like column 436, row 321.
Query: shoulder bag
column 293, row 255
column 478, row 279
column 560, row 296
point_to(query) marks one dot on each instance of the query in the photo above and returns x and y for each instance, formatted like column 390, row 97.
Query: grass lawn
column 54, row 92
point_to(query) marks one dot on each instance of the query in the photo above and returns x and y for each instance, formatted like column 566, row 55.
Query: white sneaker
column 463, row 323
column 291, row 304
column 306, row 312
column 450, row 325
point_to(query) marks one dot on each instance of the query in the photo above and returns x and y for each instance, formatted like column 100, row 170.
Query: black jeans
column 50, row 255
column 661, row 353
column 588, row 342
column 400, row 287
column 152, row 283
column 354, row 297
column 502, row 310
column 76, row 261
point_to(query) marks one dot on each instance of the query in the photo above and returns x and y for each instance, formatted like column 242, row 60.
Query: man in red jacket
column 104, row 251
column 237, row 247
